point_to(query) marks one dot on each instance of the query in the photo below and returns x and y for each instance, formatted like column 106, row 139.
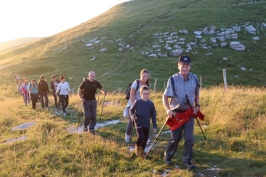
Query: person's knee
column 189, row 140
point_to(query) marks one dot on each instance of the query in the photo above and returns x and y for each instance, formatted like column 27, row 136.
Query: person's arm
column 132, row 111
column 197, row 104
column 133, row 92
column 167, row 106
column 52, row 85
column 48, row 91
column 81, row 87
column 103, row 91
column 30, row 87
column 58, row 89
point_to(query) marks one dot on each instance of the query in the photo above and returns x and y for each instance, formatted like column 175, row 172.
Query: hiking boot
column 85, row 129
column 92, row 132
column 167, row 160
column 127, row 138
column 189, row 165
column 139, row 151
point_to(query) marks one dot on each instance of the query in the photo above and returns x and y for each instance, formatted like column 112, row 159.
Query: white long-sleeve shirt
column 63, row 88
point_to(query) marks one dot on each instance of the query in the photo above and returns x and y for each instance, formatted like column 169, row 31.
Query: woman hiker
column 33, row 88
column 135, row 95
column 63, row 90
column 25, row 92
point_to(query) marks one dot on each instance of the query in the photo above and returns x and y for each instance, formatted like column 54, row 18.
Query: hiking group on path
column 182, row 89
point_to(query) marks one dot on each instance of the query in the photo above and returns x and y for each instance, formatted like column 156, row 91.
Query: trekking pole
column 131, row 133
column 156, row 137
column 79, row 115
column 103, row 102
column 201, row 129
column 188, row 102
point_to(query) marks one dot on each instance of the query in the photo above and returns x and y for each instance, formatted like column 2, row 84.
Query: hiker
column 17, row 81
column 185, row 85
column 87, row 91
column 140, row 112
column 134, row 95
column 54, row 85
column 43, row 91
column 25, row 92
column 33, row 88
column 63, row 90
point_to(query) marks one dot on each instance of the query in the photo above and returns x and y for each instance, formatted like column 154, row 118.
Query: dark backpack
column 173, row 82
column 129, row 88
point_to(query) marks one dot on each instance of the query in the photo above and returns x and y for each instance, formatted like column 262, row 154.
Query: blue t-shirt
column 144, row 110
column 182, row 88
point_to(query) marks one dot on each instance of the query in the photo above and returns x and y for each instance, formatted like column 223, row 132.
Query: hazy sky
column 40, row 18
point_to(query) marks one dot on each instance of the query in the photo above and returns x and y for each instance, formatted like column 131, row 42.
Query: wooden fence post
column 155, row 85
column 224, row 77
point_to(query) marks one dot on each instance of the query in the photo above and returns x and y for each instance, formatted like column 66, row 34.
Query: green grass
column 234, row 126
column 235, row 119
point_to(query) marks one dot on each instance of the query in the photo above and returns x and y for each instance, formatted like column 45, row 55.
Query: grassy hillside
column 235, row 119
column 16, row 42
column 132, row 24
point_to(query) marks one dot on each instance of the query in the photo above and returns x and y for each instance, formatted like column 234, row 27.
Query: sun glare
column 31, row 18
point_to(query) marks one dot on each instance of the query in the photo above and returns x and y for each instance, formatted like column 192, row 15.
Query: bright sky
column 41, row 18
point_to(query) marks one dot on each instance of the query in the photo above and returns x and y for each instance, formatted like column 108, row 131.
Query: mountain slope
column 128, row 33
column 17, row 42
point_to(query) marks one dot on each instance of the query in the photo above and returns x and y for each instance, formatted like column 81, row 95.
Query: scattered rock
column 153, row 55
column 223, row 44
column 237, row 46
column 236, row 28
column 256, row 38
column 89, row 44
column 198, row 33
column 16, row 139
column 23, row 126
column 250, row 29
column 210, row 30
column 103, row 49
column 224, row 58
column 176, row 53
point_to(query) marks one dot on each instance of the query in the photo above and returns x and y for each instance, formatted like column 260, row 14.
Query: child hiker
column 141, row 111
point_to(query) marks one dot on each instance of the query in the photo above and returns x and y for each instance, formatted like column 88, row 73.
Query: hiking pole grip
column 156, row 137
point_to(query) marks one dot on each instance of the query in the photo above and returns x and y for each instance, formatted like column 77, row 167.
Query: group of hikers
column 182, row 90
column 38, row 91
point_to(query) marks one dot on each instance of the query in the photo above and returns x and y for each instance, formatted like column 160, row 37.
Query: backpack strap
column 173, row 81
column 196, row 79
column 137, row 85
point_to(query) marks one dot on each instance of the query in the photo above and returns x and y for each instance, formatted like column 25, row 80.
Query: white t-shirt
column 63, row 88
column 137, row 95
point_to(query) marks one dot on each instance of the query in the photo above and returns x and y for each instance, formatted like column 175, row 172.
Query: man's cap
column 184, row 60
